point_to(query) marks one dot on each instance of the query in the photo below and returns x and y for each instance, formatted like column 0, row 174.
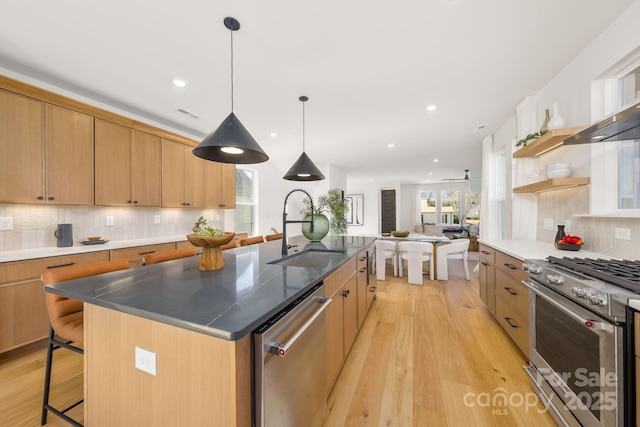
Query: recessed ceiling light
column 179, row 82
column 391, row 145
column 435, row 160
column 273, row 134
column 432, row 107
column 430, row 173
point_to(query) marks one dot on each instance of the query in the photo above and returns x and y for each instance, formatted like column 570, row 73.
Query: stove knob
column 525, row 266
column 535, row 269
column 595, row 299
column 579, row 292
column 555, row 279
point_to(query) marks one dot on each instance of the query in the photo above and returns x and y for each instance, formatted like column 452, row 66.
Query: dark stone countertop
column 227, row 303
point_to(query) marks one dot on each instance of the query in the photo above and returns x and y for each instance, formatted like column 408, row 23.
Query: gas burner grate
column 623, row 273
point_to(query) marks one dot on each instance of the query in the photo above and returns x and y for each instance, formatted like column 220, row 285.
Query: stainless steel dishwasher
column 289, row 364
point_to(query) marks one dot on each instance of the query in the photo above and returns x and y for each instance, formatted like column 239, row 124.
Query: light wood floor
column 420, row 351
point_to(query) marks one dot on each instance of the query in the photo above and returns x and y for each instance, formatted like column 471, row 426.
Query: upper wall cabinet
column 128, row 166
column 46, row 153
column 182, row 176
column 220, row 185
column 21, row 149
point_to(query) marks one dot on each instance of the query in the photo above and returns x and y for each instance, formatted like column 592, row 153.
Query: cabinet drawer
column 336, row 280
column 134, row 255
column 487, row 254
column 516, row 325
column 16, row 271
column 513, row 293
column 510, row 265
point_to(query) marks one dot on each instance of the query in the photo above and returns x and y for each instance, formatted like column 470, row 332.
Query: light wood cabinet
column 46, row 152
column 68, row 156
column 341, row 318
column 488, row 277
column 23, row 311
column 128, row 166
column 21, row 149
column 182, row 176
column 512, row 299
column 220, row 185
column 135, row 254
column 362, row 287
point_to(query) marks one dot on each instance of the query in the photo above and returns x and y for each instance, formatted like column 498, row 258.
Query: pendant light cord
column 303, row 129
column 231, row 70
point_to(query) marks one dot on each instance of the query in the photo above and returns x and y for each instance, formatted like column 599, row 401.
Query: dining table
column 416, row 237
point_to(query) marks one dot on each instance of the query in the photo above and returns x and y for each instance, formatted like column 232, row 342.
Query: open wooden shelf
column 547, row 142
column 552, row 184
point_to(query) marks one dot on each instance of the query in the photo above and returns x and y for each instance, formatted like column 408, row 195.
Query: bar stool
column 270, row 237
column 458, row 249
column 251, row 240
column 386, row 249
column 168, row 255
column 66, row 323
column 415, row 253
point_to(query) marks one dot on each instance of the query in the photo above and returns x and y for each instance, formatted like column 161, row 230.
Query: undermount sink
column 308, row 258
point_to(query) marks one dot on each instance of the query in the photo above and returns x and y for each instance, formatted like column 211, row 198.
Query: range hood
column 622, row 126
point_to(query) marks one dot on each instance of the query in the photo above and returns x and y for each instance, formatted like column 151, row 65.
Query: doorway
column 388, row 210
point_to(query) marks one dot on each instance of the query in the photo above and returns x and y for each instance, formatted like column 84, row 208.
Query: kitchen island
column 198, row 324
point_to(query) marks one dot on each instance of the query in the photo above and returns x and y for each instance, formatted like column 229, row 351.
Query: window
column 244, row 214
column 449, row 204
column 629, row 175
column 450, row 210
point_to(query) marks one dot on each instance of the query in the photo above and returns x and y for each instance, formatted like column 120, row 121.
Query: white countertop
column 534, row 249
column 23, row 254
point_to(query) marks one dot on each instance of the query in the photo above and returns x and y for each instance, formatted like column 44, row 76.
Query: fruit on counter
column 571, row 240
column 208, row 231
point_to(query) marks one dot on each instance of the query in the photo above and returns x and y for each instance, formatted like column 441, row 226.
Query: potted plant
column 332, row 203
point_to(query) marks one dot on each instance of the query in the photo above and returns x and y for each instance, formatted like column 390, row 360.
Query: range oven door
column 576, row 360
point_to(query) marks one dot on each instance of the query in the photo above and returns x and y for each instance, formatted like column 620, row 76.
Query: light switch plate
column 146, row 361
column 623, row 233
column 156, row 219
column 567, row 225
column 109, row 220
column 6, row 223
column 548, row 223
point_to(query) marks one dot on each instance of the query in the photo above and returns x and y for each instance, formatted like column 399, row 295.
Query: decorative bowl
column 568, row 247
column 558, row 173
column 93, row 238
column 559, row 165
column 386, row 234
column 400, row 233
column 211, row 258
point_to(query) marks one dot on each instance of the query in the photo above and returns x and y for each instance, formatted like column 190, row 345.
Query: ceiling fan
column 466, row 177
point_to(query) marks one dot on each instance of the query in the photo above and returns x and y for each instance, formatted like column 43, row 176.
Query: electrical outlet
column 146, row 361
column 548, row 223
column 109, row 220
column 6, row 223
column 567, row 225
column 623, row 233
column 156, row 219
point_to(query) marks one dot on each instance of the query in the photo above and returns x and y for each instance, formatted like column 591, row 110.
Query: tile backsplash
column 34, row 225
column 598, row 233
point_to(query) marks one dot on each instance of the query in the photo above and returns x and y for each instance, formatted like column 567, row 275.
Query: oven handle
column 592, row 324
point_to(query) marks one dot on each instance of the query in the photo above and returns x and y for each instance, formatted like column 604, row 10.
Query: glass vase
column 320, row 227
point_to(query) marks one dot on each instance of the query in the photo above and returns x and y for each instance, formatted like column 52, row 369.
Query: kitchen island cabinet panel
column 200, row 381
column 21, row 149
column 68, row 156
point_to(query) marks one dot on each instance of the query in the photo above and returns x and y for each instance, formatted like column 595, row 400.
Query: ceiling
column 368, row 68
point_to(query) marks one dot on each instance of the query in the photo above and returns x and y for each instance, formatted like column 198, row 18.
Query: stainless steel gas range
column 580, row 338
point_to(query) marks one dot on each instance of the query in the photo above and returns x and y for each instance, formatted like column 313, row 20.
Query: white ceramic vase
column 556, row 121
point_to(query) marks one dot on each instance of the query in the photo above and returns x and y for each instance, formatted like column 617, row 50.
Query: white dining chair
column 386, row 249
column 415, row 253
column 457, row 249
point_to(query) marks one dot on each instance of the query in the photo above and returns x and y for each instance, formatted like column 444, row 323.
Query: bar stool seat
column 168, row 255
column 66, row 324
column 251, row 240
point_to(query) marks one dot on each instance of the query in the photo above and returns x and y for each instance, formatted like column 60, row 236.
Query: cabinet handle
column 508, row 320
column 40, row 197
column 60, row 265
column 485, row 252
column 364, row 258
column 188, row 204
column 51, row 198
column 511, row 266
column 511, row 292
column 484, row 263
column 135, row 201
column 129, row 201
column 373, row 289
column 363, row 269
column 146, row 253
column 346, row 293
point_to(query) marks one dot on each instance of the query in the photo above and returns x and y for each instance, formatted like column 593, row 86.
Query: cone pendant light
column 231, row 142
column 303, row 169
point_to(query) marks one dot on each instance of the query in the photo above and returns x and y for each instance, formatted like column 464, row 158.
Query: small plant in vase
column 527, row 139
column 332, row 203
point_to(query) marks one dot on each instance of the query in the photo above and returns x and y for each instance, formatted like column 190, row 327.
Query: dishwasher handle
column 281, row 349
